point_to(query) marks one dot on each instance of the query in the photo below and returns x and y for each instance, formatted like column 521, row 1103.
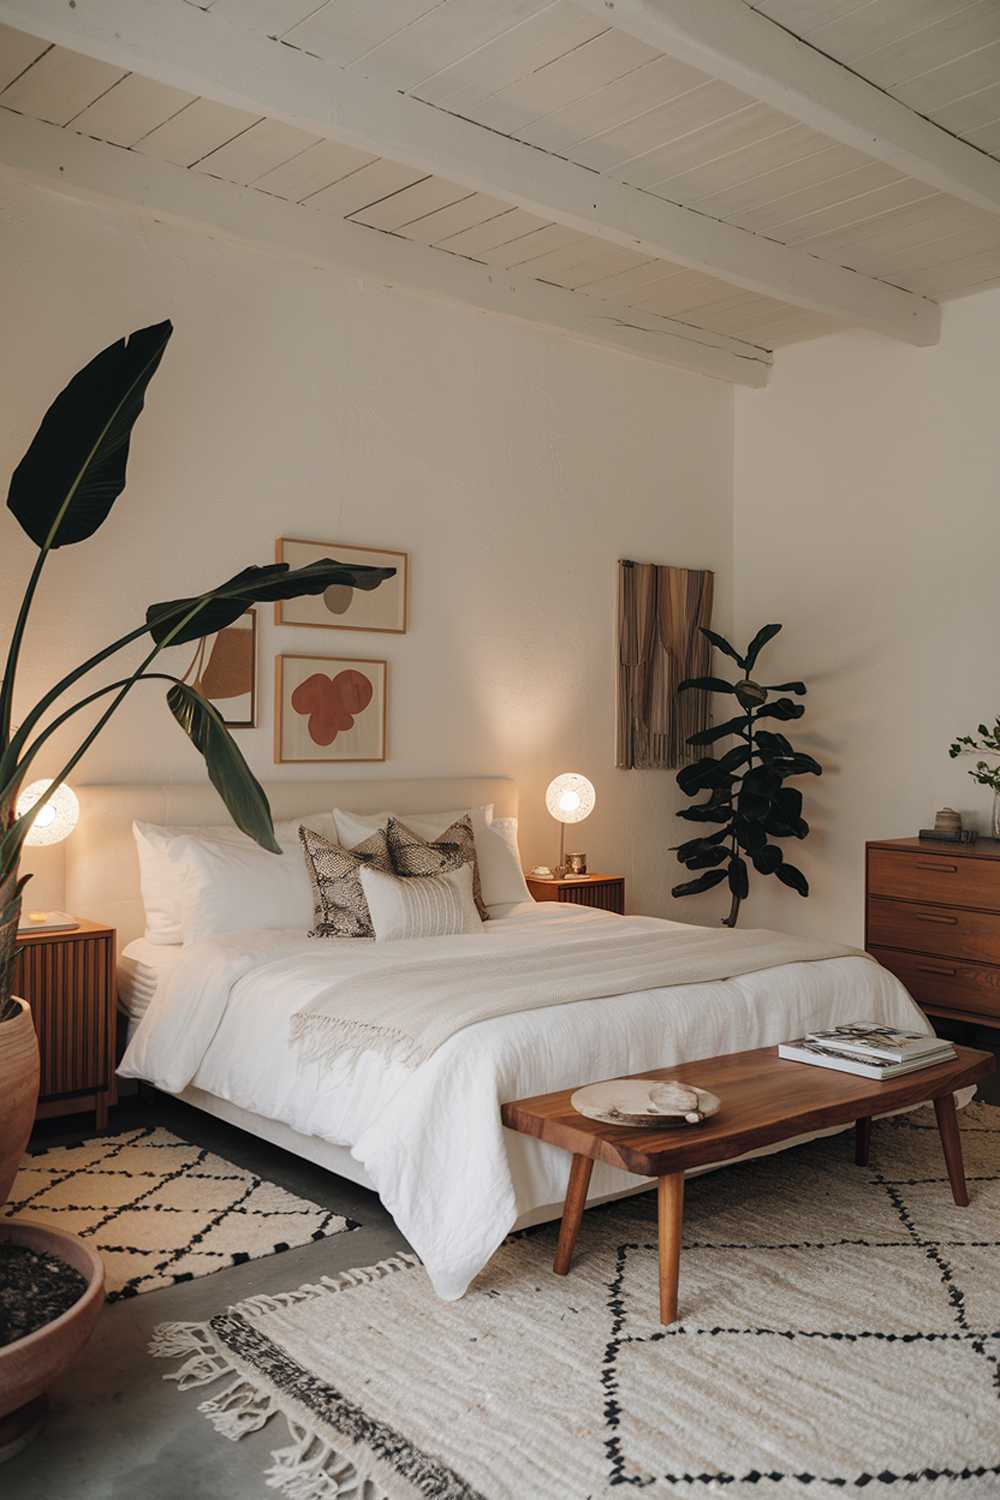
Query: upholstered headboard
column 102, row 870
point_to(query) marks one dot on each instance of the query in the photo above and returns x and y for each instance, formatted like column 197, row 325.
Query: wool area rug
column 161, row 1210
column 839, row 1335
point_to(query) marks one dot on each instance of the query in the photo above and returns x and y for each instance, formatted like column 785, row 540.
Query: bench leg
column 951, row 1142
column 670, row 1216
column 862, row 1140
column 576, row 1198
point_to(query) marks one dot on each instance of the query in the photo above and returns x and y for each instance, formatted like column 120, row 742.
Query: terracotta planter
column 29, row 1365
column 18, row 1092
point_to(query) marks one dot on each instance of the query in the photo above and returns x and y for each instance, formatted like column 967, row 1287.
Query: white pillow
column 500, row 875
column 419, row 906
column 230, row 888
column 159, row 874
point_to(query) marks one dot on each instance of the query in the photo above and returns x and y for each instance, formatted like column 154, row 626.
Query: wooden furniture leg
column 101, row 1112
column 576, row 1198
column 951, row 1143
column 862, row 1140
column 670, row 1218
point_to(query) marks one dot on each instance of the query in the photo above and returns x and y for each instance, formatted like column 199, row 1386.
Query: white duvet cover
column 430, row 1137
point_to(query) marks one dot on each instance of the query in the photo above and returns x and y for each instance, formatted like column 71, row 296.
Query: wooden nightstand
column 606, row 892
column 68, row 979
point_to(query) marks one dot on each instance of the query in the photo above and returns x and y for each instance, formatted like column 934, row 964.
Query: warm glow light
column 58, row 817
column 570, row 797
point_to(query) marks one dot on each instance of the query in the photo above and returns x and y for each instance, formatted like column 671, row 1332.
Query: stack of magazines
column 868, row 1049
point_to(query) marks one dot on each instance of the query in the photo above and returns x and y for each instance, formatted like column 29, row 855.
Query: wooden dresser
column 932, row 916
column 606, row 892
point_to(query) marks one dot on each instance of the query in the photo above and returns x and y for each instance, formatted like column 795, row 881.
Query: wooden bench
column 765, row 1100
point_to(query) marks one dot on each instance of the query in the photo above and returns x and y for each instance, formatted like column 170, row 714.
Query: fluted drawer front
column 951, row 879
column 934, row 929
column 943, row 983
column 67, row 985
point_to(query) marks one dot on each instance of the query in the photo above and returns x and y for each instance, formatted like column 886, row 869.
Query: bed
column 428, row 1138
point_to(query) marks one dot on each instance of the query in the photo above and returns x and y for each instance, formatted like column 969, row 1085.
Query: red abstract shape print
column 332, row 702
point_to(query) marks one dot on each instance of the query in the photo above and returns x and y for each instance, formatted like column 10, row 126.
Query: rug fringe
column 310, row 1469
column 358, row 1276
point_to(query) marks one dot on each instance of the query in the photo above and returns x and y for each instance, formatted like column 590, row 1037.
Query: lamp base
column 46, row 921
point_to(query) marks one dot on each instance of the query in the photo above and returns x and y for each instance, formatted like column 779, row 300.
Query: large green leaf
column 222, row 605
column 782, row 708
column 739, row 880
column 701, row 774
column 227, row 770
column 706, row 812
column 765, row 633
column 74, row 470
column 695, row 846
column 791, row 876
column 718, row 731
column 721, row 644
column 716, row 855
column 703, row 883
column 706, row 684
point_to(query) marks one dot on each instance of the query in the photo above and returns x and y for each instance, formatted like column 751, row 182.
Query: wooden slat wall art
column 69, row 983
column 660, row 612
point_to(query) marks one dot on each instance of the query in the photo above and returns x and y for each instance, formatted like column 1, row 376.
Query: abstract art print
column 224, row 670
column 329, row 708
column 342, row 607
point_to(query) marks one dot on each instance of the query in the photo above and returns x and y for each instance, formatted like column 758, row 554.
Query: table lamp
column 54, row 823
column 569, row 798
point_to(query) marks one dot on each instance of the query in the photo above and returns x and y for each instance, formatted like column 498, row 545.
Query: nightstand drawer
column 943, row 984
column 933, row 929
column 951, row 879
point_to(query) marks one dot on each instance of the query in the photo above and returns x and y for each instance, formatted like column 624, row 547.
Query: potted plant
column 988, row 746
column 61, row 492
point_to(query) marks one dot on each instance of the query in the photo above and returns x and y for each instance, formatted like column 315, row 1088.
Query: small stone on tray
column 35, row 1289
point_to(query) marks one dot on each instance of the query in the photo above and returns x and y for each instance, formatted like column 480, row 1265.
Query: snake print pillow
column 456, row 846
column 339, row 905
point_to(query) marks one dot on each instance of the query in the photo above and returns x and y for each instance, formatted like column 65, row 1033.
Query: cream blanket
column 406, row 1010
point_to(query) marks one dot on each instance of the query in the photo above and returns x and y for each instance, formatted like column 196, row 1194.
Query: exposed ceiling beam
column 90, row 171
column 729, row 40
column 175, row 42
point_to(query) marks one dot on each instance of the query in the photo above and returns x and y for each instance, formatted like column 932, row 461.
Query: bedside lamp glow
column 569, row 798
column 54, row 823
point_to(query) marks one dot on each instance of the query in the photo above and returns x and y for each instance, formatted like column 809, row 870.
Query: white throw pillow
column 421, row 906
column 159, row 873
column 500, row 874
column 226, row 888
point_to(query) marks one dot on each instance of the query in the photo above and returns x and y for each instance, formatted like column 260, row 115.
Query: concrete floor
column 116, row 1430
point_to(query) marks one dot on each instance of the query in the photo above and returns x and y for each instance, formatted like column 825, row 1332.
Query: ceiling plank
column 180, row 44
column 732, row 42
column 93, row 172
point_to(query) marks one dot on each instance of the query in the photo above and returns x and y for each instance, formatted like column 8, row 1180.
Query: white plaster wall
column 867, row 521
column 515, row 465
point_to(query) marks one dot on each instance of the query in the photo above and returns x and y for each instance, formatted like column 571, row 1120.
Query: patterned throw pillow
column 339, row 905
column 456, row 846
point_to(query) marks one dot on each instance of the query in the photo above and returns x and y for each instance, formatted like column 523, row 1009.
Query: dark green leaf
column 701, row 774
column 765, row 633
column 749, row 833
column 708, row 857
column 703, row 883
column 706, row 684
column 762, row 780
column 721, row 644
column 767, row 859
column 74, row 470
column 706, row 812
column 750, row 695
column 797, row 764
column 718, row 731
column 770, row 745
column 786, row 687
column 254, row 585
column 737, row 756
column 782, row 708
column 739, row 880
column 695, row 846
column 791, row 876
column 227, row 770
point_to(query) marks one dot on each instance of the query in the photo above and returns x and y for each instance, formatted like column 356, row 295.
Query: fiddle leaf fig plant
column 61, row 492
column 748, row 801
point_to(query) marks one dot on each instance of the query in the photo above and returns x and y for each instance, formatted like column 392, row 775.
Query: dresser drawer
column 951, row 879
column 934, row 929
column 945, row 984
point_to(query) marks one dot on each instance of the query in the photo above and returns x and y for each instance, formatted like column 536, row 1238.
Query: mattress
column 142, row 968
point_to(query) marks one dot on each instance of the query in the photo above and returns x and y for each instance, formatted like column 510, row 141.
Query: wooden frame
column 394, row 559
column 219, row 703
column 280, row 757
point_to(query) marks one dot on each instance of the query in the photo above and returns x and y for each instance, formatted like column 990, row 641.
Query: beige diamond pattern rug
column 839, row 1336
column 161, row 1210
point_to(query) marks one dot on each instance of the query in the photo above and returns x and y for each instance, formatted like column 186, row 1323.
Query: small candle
column 37, row 916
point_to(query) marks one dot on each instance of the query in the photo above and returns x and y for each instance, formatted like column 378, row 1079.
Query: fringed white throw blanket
column 405, row 1010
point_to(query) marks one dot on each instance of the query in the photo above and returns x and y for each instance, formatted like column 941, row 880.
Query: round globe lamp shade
column 569, row 798
column 57, row 818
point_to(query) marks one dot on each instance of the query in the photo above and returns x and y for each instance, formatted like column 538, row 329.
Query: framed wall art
column 224, row 670
column 342, row 607
column 329, row 708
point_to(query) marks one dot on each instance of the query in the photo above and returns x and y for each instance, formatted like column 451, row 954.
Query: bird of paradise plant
column 61, row 493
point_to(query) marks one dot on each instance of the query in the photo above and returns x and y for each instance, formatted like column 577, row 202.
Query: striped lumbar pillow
column 421, row 906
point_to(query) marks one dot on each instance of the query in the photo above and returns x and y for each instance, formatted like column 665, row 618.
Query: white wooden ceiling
column 556, row 77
